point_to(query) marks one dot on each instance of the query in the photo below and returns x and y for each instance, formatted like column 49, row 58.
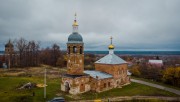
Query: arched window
column 81, row 50
column 104, row 85
column 69, row 50
column 109, row 84
column 74, row 49
column 117, row 82
column 67, row 87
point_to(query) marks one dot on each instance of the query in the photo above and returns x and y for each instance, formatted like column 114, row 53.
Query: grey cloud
column 134, row 24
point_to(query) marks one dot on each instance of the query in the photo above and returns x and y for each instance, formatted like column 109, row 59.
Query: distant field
column 10, row 93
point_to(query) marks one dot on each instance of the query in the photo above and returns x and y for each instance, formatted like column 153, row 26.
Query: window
column 109, row 84
column 104, row 85
column 69, row 50
column 81, row 49
column 74, row 49
column 117, row 82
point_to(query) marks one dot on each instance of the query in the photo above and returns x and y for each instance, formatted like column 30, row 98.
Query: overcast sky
column 134, row 24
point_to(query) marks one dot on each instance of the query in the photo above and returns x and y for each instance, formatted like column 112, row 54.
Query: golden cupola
column 75, row 22
column 75, row 25
column 111, row 46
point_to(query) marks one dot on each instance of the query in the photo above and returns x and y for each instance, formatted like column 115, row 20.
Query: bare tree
column 28, row 52
column 51, row 56
column 21, row 47
column 55, row 53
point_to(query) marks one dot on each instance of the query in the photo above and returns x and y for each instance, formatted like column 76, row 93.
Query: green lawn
column 159, row 83
column 130, row 90
column 10, row 93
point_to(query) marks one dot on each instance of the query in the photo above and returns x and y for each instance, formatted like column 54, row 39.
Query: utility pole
column 45, row 83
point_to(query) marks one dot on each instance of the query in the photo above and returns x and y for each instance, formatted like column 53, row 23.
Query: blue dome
column 75, row 38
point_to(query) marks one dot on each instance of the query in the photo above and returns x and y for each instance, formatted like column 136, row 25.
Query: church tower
column 9, row 54
column 9, row 48
column 75, row 52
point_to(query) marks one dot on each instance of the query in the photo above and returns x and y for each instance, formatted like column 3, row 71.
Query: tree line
column 28, row 54
column 169, row 75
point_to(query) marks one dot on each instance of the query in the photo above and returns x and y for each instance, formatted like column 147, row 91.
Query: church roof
column 98, row 74
column 111, row 59
column 74, row 76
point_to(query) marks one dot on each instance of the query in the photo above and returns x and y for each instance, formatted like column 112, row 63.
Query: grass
column 10, row 93
column 159, row 83
column 134, row 89
column 145, row 100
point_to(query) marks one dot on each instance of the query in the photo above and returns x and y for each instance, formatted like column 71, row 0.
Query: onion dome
column 75, row 38
column 75, row 23
column 111, row 46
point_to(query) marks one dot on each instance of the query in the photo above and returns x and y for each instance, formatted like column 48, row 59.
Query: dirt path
column 157, row 86
column 123, row 98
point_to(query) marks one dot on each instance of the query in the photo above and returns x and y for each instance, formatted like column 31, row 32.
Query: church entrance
column 82, row 88
column 67, row 88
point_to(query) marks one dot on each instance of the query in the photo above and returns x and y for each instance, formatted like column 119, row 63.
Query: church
column 110, row 71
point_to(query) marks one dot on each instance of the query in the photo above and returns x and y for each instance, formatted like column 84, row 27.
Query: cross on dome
column 75, row 22
column 111, row 39
column 111, row 46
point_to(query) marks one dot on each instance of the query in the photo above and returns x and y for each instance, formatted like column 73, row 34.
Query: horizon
column 124, row 50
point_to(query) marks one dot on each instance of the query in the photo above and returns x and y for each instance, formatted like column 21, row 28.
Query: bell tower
column 9, row 48
column 75, row 52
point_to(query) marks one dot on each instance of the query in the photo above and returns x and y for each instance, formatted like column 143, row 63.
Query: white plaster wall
column 87, row 87
column 74, row 90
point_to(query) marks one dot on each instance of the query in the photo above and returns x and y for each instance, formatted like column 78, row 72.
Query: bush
column 172, row 76
column 135, row 71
